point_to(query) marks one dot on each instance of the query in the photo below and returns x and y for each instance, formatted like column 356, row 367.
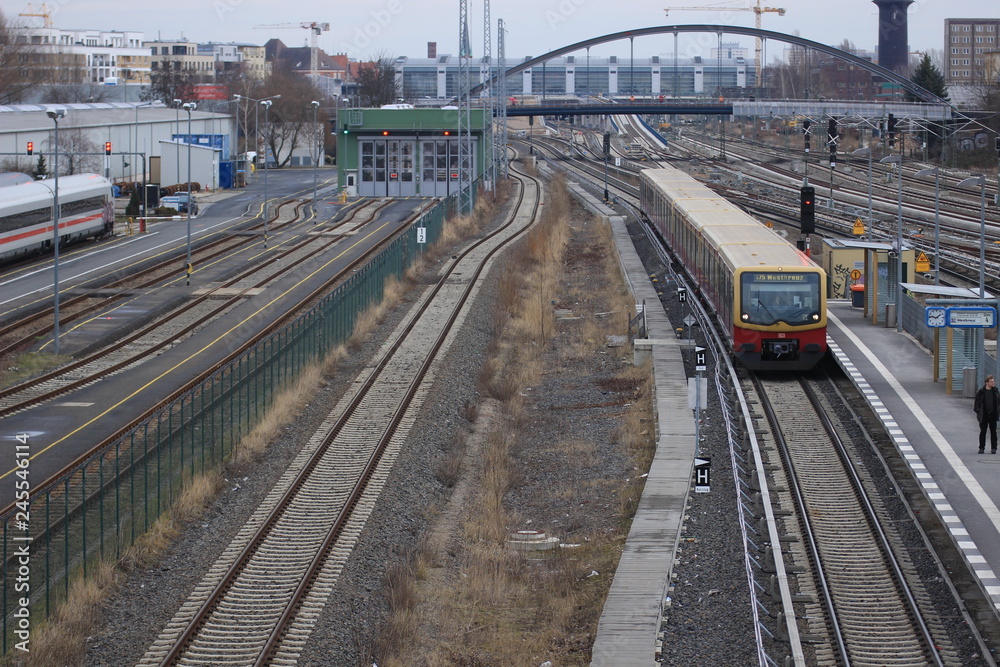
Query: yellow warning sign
column 855, row 275
column 923, row 264
column 859, row 228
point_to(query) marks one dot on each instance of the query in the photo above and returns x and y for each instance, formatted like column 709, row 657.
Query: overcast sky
column 403, row 27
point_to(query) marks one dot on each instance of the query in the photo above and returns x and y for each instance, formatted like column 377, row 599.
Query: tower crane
column 314, row 29
column 756, row 9
column 43, row 13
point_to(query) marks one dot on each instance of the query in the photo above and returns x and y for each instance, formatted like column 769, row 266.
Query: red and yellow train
column 769, row 296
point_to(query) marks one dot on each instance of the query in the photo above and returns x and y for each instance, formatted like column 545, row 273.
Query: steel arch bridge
column 906, row 84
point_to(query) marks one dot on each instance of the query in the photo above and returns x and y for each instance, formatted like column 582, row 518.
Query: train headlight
column 745, row 317
column 815, row 317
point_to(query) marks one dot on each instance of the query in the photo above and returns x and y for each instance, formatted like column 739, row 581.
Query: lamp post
column 55, row 115
column 979, row 181
column 315, row 157
column 177, row 147
column 937, row 219
column 189, row 107
column 256, row 121
column 867, row 152
column 267, row 106
column 898, row 161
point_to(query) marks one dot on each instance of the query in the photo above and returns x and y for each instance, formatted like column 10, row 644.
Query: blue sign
column 972, row 317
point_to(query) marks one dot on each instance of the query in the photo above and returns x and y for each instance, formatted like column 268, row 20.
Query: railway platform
column 935, row 432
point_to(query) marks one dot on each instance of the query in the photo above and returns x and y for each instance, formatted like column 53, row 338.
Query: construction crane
column 314, row 29
column 756, row 9
column 43, row 13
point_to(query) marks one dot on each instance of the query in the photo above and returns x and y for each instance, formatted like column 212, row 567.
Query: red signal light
column 31, row 147
column 385, row 133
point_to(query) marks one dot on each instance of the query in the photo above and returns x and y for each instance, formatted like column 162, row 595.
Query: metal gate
column 387, row 168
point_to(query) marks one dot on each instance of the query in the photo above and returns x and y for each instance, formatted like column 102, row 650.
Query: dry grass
column 17, row 369
column 61, row 640
column 501, row 607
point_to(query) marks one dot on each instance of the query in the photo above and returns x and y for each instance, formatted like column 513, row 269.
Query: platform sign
column 702, row 474
column 421, row 235
column 859, row 228
column 972, row 317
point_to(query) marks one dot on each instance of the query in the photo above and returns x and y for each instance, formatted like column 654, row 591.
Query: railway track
column 258, row 602
column 92, row 295
column 179, row 323
column 862, row 600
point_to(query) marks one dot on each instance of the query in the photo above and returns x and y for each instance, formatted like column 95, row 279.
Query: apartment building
column 967, row 43
column 83, row 56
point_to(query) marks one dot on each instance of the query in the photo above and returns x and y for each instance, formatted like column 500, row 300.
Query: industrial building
column 407, row 152
column 148, row 139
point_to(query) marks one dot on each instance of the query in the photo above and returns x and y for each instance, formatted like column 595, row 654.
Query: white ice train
column 86, row 209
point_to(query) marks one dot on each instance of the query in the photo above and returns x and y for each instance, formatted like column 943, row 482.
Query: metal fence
column 103, row 505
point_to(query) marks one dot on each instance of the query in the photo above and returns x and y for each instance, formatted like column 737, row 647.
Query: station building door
column 388, row 167
column 439, row 166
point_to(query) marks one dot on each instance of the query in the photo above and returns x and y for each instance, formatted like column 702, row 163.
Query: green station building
column 406, row 152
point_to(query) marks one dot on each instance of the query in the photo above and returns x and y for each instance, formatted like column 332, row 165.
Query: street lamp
column 177, row 147
column 189, row 107
column 867, row 152
column 267, row 106
column 937, row 219
column 256, row 120
column 55, row 115
column 315, row 156
column 898, row 161
column 981, row 182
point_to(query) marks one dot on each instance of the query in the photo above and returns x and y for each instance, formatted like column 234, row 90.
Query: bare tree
column 171, row 81
column 290, row 117
column 377, row 81
column 78, row 153
column 15, row 58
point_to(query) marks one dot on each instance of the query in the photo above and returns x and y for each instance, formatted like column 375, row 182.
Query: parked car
column 179, row 202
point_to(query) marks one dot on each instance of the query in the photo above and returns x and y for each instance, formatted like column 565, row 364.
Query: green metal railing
column 102, row 506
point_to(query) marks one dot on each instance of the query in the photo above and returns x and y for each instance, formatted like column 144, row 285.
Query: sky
column 367, row 28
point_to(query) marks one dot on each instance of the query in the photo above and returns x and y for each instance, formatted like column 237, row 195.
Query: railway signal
column 831, row 141
column 31, row 148
column 891, row 126
column 107, row 148
column 807, row 209
column 806, row 125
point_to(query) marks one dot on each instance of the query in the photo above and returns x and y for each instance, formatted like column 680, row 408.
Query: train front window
column 768, row 298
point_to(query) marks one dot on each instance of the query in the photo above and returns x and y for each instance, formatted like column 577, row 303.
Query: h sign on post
column 702, row 474
column 699, row 359
column 682, row 294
